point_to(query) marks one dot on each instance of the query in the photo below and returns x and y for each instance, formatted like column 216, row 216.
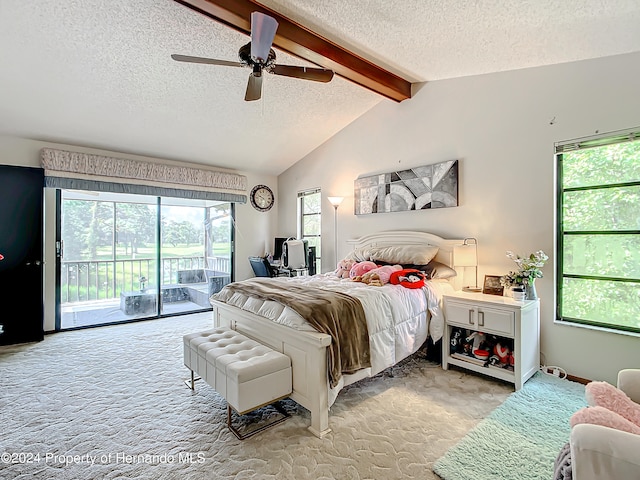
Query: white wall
column 254, row 230
column 502, row 127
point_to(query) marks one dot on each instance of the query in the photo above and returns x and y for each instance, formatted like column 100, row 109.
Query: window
column 598, row 260
column 309, row 215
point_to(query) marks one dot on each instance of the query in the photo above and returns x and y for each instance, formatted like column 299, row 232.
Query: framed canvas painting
column 418, row 188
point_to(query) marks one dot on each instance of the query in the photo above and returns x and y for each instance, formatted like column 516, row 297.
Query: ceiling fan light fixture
column 263, row 31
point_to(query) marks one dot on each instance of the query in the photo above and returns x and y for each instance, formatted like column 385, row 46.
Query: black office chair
column 261, row 267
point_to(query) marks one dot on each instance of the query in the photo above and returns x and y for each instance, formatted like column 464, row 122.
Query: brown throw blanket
column 334, row 313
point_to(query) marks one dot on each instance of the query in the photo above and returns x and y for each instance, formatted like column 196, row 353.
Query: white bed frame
column 308, row 350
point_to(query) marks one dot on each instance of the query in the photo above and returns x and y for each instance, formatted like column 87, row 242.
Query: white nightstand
column 499, row 316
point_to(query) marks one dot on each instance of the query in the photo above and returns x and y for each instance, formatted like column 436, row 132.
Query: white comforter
column 398, row 318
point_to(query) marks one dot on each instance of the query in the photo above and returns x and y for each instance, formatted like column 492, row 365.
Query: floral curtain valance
column 63, row 164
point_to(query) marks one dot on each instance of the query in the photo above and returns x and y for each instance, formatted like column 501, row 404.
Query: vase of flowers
column 529, row 268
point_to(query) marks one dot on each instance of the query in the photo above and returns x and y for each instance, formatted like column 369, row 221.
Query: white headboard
column 407, row 237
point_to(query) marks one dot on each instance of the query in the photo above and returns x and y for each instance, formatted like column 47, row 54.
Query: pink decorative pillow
column 603, row 394
column 605, row 417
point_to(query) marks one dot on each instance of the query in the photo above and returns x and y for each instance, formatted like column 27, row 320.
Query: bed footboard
column 307, row 350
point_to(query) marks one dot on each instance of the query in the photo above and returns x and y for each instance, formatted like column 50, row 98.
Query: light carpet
column 520, row 439
column 110, row 403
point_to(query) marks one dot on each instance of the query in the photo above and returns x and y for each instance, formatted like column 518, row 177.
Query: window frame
column 301, row 216
column 561, row 149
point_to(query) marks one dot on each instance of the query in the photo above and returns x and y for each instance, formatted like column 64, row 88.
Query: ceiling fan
column 259, row 56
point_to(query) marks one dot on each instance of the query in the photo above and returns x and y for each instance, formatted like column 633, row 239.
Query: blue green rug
column 520, row 439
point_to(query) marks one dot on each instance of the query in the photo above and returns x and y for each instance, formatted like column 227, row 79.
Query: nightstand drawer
column 480, row 318
column 497, row 321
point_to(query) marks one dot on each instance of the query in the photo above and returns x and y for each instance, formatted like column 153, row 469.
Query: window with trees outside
column 598, row 260
column 309, row 224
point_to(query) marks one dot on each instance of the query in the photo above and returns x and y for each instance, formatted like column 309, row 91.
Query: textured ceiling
column 98, row 73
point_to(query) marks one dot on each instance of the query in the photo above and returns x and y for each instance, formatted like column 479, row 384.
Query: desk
column 280, row 271
column 292, row 272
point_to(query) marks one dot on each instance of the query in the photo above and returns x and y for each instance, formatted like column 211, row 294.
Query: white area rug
column 110, row 403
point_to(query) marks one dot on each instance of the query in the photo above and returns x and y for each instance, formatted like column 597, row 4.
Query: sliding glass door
column 195, row 253
column 128, row 257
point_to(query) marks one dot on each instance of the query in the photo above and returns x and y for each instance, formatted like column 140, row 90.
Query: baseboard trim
column 573, row 378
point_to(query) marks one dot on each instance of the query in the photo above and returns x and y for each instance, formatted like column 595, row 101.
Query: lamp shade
column 465, row 255
column 335, row 201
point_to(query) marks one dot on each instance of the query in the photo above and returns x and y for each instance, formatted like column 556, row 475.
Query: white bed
column 398, row 321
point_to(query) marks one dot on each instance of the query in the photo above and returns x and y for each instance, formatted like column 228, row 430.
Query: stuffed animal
column 478, row 339
column 456, row 340
column 408, row 278
column 360, row 268
column 502, row 352
column 344, row 267
column 380, row 276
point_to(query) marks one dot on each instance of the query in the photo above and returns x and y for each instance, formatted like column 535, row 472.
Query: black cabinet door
column 21, row 207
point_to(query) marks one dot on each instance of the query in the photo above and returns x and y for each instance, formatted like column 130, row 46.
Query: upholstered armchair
column 601, row 452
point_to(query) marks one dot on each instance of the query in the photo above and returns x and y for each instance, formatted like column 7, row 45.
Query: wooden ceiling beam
column 303, row 43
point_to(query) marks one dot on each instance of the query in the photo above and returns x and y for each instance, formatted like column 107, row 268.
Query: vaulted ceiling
column 99, row 73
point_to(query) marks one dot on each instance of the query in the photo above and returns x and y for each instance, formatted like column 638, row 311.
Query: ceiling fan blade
column 315, row 74
column 263, row 30
column 254, row 88
column 210, row 61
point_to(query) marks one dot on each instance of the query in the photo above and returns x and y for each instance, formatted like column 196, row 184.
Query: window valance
column 75, row 170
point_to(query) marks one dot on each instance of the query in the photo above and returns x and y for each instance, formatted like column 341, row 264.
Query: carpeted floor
column 521, row 438
column 110, row 403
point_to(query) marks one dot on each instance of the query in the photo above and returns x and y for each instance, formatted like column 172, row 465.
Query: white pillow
column 401, row 254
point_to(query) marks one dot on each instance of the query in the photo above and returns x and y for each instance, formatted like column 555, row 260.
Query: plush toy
column 344, row 267
column 511, row 359
column 380, row 276
column 360, row 268
column 456, row 340
column 478, row 345
column 408, row 278
column 502, row 352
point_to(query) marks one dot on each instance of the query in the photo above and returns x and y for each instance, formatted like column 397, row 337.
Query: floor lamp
column 466, row 255
column 335, row 201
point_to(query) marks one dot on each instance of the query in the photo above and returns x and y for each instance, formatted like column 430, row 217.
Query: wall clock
column 262, row 198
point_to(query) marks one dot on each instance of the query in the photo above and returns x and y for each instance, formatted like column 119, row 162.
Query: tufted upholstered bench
column 246, row 373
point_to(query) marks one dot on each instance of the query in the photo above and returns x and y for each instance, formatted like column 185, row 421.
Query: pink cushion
column 602, row 416
column 603, row 394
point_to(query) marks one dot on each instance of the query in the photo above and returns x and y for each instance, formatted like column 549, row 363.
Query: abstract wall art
column 418, row 188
